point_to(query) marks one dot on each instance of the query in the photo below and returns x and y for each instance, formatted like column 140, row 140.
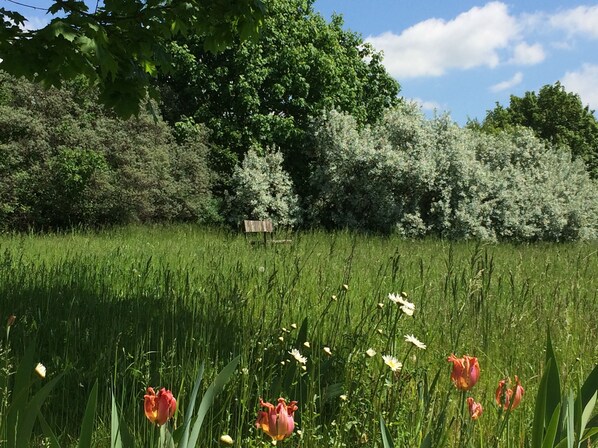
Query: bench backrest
column 258, row 226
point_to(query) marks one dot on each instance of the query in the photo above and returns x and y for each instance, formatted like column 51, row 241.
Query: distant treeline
column 303, row 126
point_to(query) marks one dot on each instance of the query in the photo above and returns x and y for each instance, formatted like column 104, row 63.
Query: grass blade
column 88, row 418
column 190, row 407
column 538, row 427
column 386, row 439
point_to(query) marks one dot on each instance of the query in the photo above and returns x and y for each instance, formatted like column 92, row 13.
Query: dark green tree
column 555, row 115
column 121, row 44
column 267, row 92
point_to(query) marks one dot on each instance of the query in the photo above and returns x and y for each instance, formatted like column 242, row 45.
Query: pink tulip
column 504, row 395
column 278, row 422
column 475, row 409
column 159, row 407
column 466, row 371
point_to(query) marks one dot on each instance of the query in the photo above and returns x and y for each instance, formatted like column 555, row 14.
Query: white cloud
column 508, row 84
column 525, row 54
column 584, row 82
column 432, row 47
column 580, row 20
column 426, row 105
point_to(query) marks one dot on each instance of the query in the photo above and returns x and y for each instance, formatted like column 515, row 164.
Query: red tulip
column 159, row 407
column 278, row 422
column 466, row 371
column 475, row 409
column 504, row 395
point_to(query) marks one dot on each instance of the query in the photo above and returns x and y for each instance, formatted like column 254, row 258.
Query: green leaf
column 88, row 418
column 20, row 393
column 586, row 415
column 190, row 407
column 58, row 28
column 52, row 439
column 208, row 398
column 589, row 434
column 552, row 428
column 119, row 433
column 553, row 381
column 386, row 439
column 166, row 440
column 28, row 415
column 590, row 386
column 538, row 426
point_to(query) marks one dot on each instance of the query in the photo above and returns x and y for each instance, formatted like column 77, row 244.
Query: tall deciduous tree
column 556, row 116
column 266, row 92
column 120, row 44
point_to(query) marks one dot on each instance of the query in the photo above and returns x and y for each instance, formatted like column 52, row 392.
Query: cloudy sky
column 463, row 57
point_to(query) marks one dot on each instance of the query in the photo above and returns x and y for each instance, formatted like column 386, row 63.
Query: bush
column 65, row 161
column 263, row 190
column 421, row 177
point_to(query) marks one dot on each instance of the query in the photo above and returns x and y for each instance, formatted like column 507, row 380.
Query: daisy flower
column 392, row 362
column 419, row 344
column 297, row 355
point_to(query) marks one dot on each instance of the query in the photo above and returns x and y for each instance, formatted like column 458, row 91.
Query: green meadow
column 146, row 306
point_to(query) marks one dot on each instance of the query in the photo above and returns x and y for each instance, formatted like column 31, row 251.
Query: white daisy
column 295, row 354
column 392, row 362
column 419, row 344
column 407, row 307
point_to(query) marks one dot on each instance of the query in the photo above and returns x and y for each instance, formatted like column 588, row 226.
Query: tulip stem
column 462, row 418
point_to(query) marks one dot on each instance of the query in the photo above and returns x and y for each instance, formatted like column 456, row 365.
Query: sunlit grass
column 147, row 305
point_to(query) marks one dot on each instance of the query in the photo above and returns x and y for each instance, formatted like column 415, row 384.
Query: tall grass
column 146, row 306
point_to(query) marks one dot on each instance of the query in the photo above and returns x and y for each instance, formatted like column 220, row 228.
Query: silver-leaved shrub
column 419, row 177
column 263, row 190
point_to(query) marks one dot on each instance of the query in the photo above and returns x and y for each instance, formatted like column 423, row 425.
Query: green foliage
column 65, row 161
column 564, row 420
column 421, row 177
column 556, row 116
column 266, row 92
column 121, row 46
column 263, row 190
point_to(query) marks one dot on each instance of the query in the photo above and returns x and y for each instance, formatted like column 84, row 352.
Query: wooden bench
column 265, row 227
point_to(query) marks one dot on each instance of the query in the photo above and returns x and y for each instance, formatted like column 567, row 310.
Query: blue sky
column 463, row 57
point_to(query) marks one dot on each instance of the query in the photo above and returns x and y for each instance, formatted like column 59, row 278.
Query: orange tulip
column 278, row 422
column 504, row 395
column 159, row 407
column 466, row 371
column 475, row 409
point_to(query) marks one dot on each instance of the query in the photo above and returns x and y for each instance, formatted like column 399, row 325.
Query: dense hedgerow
column 421, row 177
column 65, row 161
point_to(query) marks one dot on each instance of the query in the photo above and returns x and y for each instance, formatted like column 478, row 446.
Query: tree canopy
column 267, row 92
column 556, row 116
column 120, row 45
